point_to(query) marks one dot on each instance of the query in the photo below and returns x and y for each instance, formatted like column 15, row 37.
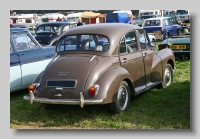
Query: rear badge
column 63, row 73
column 58, row 95
column 59, row 88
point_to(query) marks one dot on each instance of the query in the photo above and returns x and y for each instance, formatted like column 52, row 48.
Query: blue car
column 162, row 24
column 117, row 18
column 27, row 58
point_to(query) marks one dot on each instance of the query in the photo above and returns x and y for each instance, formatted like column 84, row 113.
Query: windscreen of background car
column 47, row 29
column 182, row 12
column 84, row 42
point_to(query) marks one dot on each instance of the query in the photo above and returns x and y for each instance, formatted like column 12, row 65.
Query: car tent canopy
column 92, row 18
column 91, row 15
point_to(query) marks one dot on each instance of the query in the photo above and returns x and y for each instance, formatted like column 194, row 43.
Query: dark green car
column 179, row 44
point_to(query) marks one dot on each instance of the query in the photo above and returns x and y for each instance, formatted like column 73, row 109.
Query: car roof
column 106, row 29
column 158, row 18
column 55, row 23
column 18, row 29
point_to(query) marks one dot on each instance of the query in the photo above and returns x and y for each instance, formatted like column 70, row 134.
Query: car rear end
column 183, row 15
column 180, row 47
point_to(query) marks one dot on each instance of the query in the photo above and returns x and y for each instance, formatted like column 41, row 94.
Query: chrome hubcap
column 122, row 97
column 167, row 77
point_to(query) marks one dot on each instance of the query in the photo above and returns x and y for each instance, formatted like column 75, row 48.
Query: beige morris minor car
column 102, row 64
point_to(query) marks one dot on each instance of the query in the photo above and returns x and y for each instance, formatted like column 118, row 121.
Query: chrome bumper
column 80, row 101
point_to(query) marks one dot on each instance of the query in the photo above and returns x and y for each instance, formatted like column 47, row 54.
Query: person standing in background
column 11, row 22
column 79, row 22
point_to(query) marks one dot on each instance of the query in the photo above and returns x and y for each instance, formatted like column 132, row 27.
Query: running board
column 153, row 85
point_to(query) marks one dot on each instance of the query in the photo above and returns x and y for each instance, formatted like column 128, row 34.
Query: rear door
column 131, row 59
column 147, row 54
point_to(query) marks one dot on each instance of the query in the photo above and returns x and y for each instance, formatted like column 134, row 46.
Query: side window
column 166, row 22
column 55, row 29
column 131, row 41
column 20, row 41
column 48, row 29
column 68, row 43
column 169, row 21
column 143, row 39
column 88, row 43
column 40, row 29
column 103, row 41
column 122, row 47
column 23, row 42
column 31, row 43
column 163, row 23
column 65, row 28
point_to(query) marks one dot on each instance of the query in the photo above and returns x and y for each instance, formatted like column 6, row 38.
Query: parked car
column 183, row 15
column 120, row 66
column 180, row 45
column 139, row 21
column 117, row 18
column 162, row 24
column 48, row 33
column 30, row 26
column 27, row 58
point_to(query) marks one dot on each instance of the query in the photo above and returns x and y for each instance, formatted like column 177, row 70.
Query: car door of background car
column 32, row 57
column 147, row 53
column 46, row 33
column 131, row 59
column 169, row 27
column 15, row 68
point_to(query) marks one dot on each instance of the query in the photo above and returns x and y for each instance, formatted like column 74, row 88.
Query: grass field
column 167, row 108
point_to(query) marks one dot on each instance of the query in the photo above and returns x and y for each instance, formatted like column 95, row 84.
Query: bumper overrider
column 80, row 101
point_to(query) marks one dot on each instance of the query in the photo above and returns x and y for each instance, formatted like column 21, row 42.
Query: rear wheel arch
column 170, row 61
column 131, row 86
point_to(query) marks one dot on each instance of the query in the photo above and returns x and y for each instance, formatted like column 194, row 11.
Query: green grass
column 167, row 108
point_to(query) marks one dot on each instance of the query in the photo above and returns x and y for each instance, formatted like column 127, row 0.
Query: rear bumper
column 80, row 101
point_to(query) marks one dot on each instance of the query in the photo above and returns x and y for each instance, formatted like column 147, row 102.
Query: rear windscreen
column 111, row 16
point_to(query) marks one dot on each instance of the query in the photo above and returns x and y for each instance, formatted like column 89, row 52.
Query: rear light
column 93, row 90
column 161, row 29
column 34, row 88
column 31, row 88
column 162, row 47
column 48, row 19
column 188, row 16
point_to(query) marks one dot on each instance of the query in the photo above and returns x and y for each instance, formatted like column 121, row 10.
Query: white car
column 183, row 15
column 139, row 21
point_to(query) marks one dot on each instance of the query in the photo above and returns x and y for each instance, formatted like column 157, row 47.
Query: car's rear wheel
column 167, row 77
column 122, row 98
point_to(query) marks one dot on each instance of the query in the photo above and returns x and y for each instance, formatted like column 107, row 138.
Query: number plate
column 177, row 47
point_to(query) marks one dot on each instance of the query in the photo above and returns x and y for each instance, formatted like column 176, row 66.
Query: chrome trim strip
column 56, row 58
column 64, row 101
column 92, row 58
